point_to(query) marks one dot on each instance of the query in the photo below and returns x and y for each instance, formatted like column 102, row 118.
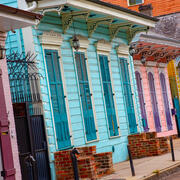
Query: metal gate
column 32, row 145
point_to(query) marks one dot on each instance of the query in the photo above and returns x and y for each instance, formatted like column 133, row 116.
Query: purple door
column 141, row 101
column 166, row 102
column 154, row 102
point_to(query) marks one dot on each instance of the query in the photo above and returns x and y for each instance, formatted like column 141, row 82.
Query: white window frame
column 123, row 52
column 53, row 41
column 84, row 43
column 103, row 47
column 134, row 4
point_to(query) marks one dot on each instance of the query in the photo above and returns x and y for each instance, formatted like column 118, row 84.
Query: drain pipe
column 31, row 8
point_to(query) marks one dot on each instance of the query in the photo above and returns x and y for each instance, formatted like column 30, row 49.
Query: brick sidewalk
column 145, row 167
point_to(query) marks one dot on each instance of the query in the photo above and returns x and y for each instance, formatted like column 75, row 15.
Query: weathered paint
column 143, row 70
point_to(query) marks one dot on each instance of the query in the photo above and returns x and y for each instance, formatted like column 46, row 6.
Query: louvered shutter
column 58, row 99
column 108, row 95
column 128, row 95
column 141, row 100
column 154, row 102
column 166, row 102
column 85, row 96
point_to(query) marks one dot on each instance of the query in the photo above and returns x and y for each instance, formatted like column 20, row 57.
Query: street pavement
column 174, row 176
column 147, row 167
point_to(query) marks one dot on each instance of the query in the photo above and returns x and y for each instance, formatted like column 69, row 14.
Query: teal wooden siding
column 108, row 95
column 51, row 21
column 58, row 99
column 128, row 95
column 85, row 94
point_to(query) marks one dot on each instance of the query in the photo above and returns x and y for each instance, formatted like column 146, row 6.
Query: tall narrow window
column 85, row 96
column 128, row 95
column 154, row 102
column 141, row 101
column 58, row 99
column 166, row 102
column 108, row 94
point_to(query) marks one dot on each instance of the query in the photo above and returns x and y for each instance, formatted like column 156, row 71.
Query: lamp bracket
column 67, row 18
column 115, row 28
column 54, row 9
column 93, row 23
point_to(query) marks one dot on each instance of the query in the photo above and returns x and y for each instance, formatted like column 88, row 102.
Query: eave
column 156, row 48
column 102, row 8
column 13, row 18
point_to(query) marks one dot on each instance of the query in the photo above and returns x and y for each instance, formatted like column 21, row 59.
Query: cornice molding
column 51, row 38
column 103, row 45
column 137, row 63
column 162, row 65
column 123, row 49
column 151, row 64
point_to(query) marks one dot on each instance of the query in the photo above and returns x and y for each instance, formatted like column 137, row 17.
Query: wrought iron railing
column 24, row 77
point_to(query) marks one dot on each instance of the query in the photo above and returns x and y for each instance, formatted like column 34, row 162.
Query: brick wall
column 147, row 144
column 159, row 7
column 91, row 165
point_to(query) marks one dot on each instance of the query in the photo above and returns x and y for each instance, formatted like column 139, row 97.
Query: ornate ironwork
column 115, row 28
column 67, row 18
column 24, row 77
column 93, row 23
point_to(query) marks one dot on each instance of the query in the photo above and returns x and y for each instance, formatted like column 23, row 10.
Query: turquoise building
column 88, row 93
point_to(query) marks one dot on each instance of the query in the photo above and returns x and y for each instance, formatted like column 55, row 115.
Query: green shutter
column 128, row 95
column 108, row 95
column 58, row 99
column 85, row 96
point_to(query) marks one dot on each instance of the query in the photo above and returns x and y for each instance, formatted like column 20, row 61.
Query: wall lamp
column 75, row 42
column 2, row 52
column 143, row 60
column 131, row 50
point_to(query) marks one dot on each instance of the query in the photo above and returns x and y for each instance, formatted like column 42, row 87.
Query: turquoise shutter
column 108, row 95
column 128, row 95
column 58, row 99
column 85, row 96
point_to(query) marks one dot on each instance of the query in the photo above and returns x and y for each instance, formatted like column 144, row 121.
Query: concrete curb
column 163, row 173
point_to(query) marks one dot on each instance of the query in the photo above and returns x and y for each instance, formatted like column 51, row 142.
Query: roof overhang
column 156, row 48
column 13, row 18
column 102, row 8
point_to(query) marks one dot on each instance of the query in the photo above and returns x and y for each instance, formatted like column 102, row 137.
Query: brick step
column 164, row 150
column 104, row 171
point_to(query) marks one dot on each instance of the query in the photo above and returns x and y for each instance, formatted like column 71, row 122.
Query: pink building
column 10, row 19
column 151, row 56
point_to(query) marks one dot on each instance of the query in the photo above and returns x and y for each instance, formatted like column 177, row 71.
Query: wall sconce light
column 75, row 42
column 2, row 52
column 143, row 60
column 131, row 50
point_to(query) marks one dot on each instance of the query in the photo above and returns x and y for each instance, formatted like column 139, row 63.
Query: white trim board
column 91, row 6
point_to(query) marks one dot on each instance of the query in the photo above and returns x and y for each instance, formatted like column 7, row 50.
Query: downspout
column 31, row 8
